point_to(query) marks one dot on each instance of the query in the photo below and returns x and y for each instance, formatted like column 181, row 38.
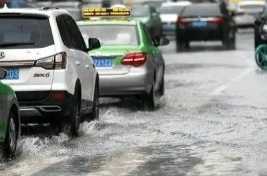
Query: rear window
column 140, row 11
column 170, row 9
column 201, row 10
column 25, row 32
column 111, row 34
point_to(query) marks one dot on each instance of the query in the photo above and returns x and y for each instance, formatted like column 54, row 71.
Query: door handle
column 87, row 66
column 78, row 64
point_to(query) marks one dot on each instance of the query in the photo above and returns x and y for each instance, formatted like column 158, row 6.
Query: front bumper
column 128, row 84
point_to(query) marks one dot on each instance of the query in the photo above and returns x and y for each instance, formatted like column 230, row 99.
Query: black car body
column 259, row 22
column 205, row 22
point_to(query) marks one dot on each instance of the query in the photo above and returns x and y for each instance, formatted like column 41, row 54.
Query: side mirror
column 164, row 41
column 2, row 73
column 93, row 43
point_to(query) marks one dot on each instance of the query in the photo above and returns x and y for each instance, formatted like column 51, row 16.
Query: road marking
column 29, row 167
column 222, row 88
column 121, row 166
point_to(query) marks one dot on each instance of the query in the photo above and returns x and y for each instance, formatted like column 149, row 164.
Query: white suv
column 48, row 66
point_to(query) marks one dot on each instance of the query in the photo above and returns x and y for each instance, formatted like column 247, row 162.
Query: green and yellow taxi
column 129, row 62
column 9, row 118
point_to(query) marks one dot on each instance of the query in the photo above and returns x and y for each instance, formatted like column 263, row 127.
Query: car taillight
column 56, row 62
column 182, row 21
column 134, row 59
column 217, row 21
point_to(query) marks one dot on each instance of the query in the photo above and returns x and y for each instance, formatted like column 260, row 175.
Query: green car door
column 9, row 118
column 3, row 97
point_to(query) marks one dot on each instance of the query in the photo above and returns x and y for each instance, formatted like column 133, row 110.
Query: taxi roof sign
column 105, row 12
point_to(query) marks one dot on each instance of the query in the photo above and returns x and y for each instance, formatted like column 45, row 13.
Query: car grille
column 29, row 96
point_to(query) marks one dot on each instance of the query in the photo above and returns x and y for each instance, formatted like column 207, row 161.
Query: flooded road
column 212, row 121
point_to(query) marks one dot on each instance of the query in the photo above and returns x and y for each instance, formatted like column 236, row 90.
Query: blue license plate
column 12, row 73
column 199, row 23
column 103, row 62
column 168, row 27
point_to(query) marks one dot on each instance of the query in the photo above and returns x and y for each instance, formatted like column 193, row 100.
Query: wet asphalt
column 212, row 121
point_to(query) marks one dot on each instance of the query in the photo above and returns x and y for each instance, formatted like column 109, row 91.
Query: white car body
column 169, row 19
column 44, row 91
column 246, row 12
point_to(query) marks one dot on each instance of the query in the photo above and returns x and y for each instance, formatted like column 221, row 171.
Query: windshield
column 139, row 11
column 170, row 9
column 25, row 32
column 111, row 34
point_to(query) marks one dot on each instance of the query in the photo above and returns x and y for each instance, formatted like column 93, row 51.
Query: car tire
column 179, row 47
column 11, row 138
column 94, row 115
column 75, row 116
column 149, row 99
column 229, row 42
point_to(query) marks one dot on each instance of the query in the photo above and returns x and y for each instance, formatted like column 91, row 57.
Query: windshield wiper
column 15, row 44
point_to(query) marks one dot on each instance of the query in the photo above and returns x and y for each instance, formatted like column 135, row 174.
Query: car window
column 170, row 9
column 74, row 33
column 112, row 34
column 63, row 31
column 201, row 10
column 147, row 35
column 29, row 31
column 140, row 11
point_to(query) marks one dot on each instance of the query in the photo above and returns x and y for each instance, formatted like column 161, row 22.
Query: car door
column 86, row 64
column 156, row 57
column 3, row 120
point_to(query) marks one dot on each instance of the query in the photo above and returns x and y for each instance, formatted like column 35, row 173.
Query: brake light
column 183, row 21
column 58, row 95
column 134, row 59
column 56, row 62
column 217, row 21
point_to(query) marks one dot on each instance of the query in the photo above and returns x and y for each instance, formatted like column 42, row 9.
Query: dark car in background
column 205, row 22
column 150, row 17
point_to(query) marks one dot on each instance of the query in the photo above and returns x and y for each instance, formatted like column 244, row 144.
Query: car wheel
column 95, row 113
column 229, row 42
column 10, row 144
column 75, row 116
column 150, row 98
column 180, row 47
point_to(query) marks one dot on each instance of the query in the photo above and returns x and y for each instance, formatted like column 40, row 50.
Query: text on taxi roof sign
column 90, row 12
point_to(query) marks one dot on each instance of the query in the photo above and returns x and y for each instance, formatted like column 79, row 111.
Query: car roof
column 114, row 21
column 31, row 11
column 207, row 4
column 180, row 3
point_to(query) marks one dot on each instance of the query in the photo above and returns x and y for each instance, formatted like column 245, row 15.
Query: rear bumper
column 129, row 84
column 51, row 107
column 199, row 34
